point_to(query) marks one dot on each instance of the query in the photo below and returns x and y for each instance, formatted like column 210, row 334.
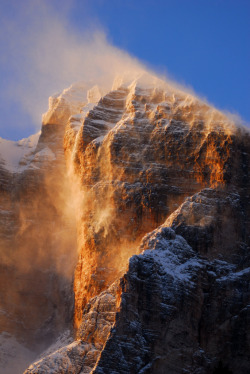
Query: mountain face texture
column 131, row 214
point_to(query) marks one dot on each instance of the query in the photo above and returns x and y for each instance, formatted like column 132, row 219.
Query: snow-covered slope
column 12, row 154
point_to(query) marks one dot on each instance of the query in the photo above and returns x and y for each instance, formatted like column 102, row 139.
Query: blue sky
column 199, row 43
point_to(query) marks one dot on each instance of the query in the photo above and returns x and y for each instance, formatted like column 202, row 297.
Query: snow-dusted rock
column 179, row 312
column 137, row 155
column 143, row 161
column 80, row 356
column 174, row 311
column 216, row 223
column 13, row 154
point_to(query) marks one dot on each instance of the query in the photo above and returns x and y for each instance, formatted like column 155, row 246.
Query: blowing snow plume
column 38, row 252
column 38, row 201
column 43, row 55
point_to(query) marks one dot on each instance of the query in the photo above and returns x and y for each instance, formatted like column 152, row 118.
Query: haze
column 48, row 45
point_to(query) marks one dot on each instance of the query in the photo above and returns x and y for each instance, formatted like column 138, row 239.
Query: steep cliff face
column 152, row 191
column 137, row 155
column 179, row 312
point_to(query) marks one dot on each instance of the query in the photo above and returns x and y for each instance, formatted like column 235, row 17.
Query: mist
column 44, row 55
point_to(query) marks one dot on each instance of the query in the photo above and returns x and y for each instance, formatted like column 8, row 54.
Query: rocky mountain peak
column 142, row 214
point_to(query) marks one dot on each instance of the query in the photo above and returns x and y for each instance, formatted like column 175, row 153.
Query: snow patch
column 234, row 276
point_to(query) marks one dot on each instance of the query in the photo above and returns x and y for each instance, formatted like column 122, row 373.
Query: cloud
column 43, row 54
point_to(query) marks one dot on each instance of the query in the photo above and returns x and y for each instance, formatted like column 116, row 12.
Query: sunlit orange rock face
column 149, row 188
column 138, row 153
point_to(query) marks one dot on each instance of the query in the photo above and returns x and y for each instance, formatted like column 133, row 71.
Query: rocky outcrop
column 81, row 355
column 152, row 190
column 179, row 313
column 137, row 155
column 176, row 312
column 216, row 224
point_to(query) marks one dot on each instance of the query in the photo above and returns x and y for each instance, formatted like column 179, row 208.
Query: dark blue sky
column 199, row 43
column 204, row 44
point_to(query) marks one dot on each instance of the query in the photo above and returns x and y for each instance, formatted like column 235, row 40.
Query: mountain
column 125, row 234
